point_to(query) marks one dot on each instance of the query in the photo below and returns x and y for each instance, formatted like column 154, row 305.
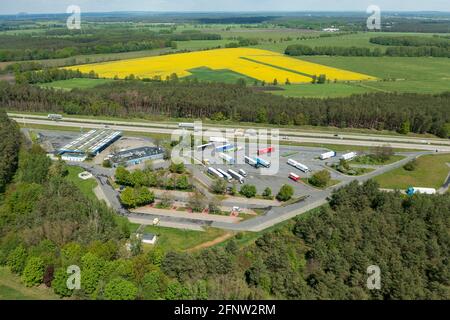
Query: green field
column 370, row 161
column 85, row 186
column 11, row 288
column 431, row 172
column 76, row 83
column 170, row 239
column 226, row 76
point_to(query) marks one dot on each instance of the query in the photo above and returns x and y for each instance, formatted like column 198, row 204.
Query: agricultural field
column 406, row 74
column 75, row 83
column 257, row 64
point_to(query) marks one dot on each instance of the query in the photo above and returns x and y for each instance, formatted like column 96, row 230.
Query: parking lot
column 263, row 177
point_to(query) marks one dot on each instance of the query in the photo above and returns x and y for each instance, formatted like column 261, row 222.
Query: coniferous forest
column 419, row 113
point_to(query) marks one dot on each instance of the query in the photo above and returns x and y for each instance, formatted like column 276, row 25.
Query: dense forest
column 47, row 224
column 405, row 113
column 9, row 149
column 61, row 44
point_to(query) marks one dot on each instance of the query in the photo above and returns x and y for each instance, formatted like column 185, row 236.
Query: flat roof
column 92, row 141
column 137, row 153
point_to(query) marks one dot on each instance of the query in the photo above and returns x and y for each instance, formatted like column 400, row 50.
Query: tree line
column 47, row 46
column 408, row 112
column 393, row 51
column 9, row 149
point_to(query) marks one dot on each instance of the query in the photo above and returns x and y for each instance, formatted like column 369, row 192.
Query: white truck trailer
column 226, row 176
column 236, row 176
column 214, row 172
column 349, row 156
column 298, row 165
column 327, row 155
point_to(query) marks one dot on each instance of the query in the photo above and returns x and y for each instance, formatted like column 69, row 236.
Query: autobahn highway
column 440, row 145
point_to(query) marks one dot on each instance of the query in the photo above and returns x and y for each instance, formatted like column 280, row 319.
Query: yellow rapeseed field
column 254, row 63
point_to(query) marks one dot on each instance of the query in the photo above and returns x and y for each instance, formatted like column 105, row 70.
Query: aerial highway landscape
column 224, row 159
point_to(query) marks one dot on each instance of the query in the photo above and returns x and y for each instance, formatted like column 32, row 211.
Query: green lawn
column 180, row 240
column 11, row 288
column 226, row 76
column 370, row 161
column 75, row 83
column 85, row 186
column 431, row 172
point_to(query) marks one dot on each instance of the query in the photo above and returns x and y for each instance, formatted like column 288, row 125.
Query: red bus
column 294, row 176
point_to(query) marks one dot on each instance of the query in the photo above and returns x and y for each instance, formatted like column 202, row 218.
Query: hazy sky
column 59, row 6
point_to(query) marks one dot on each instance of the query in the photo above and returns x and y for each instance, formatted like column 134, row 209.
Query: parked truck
column 236, row 176
column 266, row 150
column 263, row 162
column 226, row 176
column 413, row 190
column 349, row 156
column 251, row 162
column 227, row 158
column 294, row 176
column 298, row 165
column 186, row 125
column 242, row 172
column 225, row 148
column 214, row 172
column 327, row 155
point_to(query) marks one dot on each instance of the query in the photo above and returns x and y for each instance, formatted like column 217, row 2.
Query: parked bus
column 226, row 176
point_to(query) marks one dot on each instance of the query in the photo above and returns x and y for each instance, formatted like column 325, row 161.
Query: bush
column 177, row 168
column 17, row 259
column 136, row 197
column 286, row 192
column 34, row 272
column 320, row 179
column 120, row 289
column 219, row 186
column 248, row 191
column 267, row 193
column 410, row 166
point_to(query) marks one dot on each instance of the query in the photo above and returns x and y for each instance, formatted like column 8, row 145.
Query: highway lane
column 364, row 143
column 290, row 133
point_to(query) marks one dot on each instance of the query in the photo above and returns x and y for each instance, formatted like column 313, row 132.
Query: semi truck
column 327, row 155
column 242, row 172
column 413, row 190
column 263, row 162
column 54, row 117
column 225, row 148
column 294, row 176
column 349, row 156
column 298, row 165
column 226, row 176
column 266, row 150
column 204, row 146
column 226, row 158
column 187, row 125
column 218, row 140
column 214, row 172
column 236, row 176
column 251, row 162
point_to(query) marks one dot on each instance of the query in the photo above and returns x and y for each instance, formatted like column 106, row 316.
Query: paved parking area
column 260, row 177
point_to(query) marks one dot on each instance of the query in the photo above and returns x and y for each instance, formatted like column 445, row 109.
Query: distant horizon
column 223, row 11
column 229, row 6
